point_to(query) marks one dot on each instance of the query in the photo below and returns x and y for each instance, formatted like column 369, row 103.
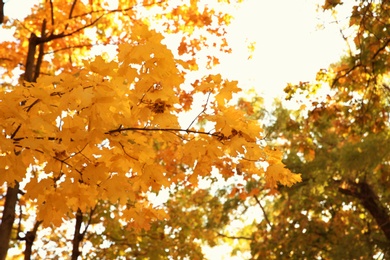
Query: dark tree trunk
column 8, row 219
column 30, row 61
column 1, row 12
column 371, row 203
column 78, row 236
column 30, row 237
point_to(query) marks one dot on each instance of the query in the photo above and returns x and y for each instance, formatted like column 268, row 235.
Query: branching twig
column 120, row 129
column 124, row 151
column 201, row 112
column 116, row 10
column 337, row 78
column 72, row 47
column 89, row 221
column 68, row 164
column 105, row 12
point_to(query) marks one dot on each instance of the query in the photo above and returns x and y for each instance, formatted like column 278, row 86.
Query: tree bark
column 78, row 236
column 8, row 219
column 371, row 203
column 30, row 237
column 1, row 11
column 30, row 61
column 37, row 66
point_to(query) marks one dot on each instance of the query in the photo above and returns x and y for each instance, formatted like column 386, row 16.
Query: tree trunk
column 30, row 237
column 78, row 236
column 1, row 11
column 30, row 61
column 371, row 203
column 8, row 219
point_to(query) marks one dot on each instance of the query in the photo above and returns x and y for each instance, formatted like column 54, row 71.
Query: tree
column 340, row 142
column 82, row 136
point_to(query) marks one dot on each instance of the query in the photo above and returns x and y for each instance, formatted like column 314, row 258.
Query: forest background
column 335, row 135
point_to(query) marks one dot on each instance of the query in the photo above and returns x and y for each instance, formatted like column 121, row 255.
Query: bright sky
column 289, row 48
column 289, row 45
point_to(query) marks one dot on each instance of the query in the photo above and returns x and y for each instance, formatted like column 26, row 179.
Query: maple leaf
column 226, row 91
column 279, row 173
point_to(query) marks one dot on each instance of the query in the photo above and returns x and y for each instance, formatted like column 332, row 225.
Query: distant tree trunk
column 78, row 236
column 1, row 12
column 8, row 219
column 30, row 237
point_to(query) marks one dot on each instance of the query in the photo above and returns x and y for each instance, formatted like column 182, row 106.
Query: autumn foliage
column 339, row 140
column 79, row 132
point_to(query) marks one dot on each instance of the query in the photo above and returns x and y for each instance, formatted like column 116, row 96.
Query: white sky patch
column 289, row 46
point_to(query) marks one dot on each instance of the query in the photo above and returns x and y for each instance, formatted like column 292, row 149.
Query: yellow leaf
column 279, row 173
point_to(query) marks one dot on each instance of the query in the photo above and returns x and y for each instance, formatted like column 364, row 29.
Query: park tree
column 339, row 139
column 86, row 139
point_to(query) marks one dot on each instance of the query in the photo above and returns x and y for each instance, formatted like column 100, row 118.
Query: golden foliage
column 108, row 129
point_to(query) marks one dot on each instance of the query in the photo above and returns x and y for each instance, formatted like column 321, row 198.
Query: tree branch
column 16, row 131
column 73, row 47
column 28, row 108
column 370, row 201
column 120, row 129
column 201, row 112
column 72, row 8
column 105, row 12
column 234, row 237
column 263, row 210
column 116, row 10
column 51, row 12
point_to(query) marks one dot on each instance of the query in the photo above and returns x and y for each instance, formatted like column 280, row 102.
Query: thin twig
column 119, row 130
column 16, row 131
column 72, row 8
column 234, row 237
column 263, row 210
column 115, row 10
column 124, row 151
column 201, row 112
column 33, row 104
column 73, row 47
